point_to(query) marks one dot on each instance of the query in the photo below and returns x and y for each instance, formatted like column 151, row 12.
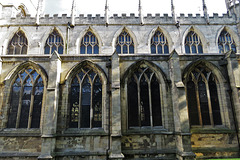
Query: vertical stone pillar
column 116, row 132
column 233, row 74
column 51, row 108
column 180, row 111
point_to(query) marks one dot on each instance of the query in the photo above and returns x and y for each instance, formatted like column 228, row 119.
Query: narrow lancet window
column 18, row 45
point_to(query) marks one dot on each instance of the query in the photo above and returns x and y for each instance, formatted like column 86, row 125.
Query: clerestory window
column 26, row 100
column 226, row 42
column 86, row 100
column 54, row 43
column 18, row 44
column 202, row 98
column 124, row 43
column 89, row 44
column 193, row 43
column 144, row 102
column 159, row 43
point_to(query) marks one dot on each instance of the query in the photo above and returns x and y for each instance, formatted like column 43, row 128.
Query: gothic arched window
column 159, row 43
column 202, row 98
column 26, row 100
column 226, row 42
column 18, row 44
column 124, row 43
column 86, row 100
column 54, row 43
column 144, row 102
column 193, row 43
column 89, row 44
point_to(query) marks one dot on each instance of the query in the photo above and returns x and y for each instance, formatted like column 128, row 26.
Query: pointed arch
column 166, row 35
column 199, row 34
column 86, row 86
column 206, row 94
column 18, row 44
column 25, row 86
column 232, row 34
column 58, row 41
column 132, row 36
column 82, row 35
column 144, row 96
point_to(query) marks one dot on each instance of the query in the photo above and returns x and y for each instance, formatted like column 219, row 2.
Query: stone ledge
column 212, row 130
column 152, row 151
column 214, row 149
column 79, row 153
column 82, row 132
column 19, row 154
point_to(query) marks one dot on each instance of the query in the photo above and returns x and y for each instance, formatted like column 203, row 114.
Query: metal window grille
column 54, row 43
column 193, row 43
column 26, row 100
column 202, row 98
column 86, row 100
column 144, row 102
column 124, row 44
column 226, row 42
column 159, row 43
column 89, row 44
column 18, row 44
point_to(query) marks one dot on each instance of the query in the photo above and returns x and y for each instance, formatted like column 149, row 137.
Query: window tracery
column 193, row 43
column 144, row 102
column 26, row 100
column 54, row 43
column 159, row 43
column 89, row 44
column 86, row 100
column 18, row 44
column 226, row 42
column 125, row 44
column 202, row 98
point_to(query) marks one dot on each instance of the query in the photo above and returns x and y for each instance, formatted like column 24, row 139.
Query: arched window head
column 144, row 102
column 18, row 44
column 89, row 44
column 86, row 100
column 125, row 44
column 193, row 43
column 26, row 100
column 159, row 43
column 202, row 98
column 226, row 42
column 54, row 43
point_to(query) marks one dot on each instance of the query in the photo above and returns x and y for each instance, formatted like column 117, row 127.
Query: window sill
column 20, row 132
column 82, row 132
column 211, row 129
column 147, row 130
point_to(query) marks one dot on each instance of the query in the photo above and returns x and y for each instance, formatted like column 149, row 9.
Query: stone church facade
column 120, row 87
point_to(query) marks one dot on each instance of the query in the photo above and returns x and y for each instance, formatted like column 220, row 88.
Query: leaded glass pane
column 156, row 102
column 97, row 103
column 144, row 103
column 54, row 43
column 160, row 42
column 226, row 42
column 89, row 44
column 124, row 43
column 18, row 45
column 85, row 103
column 74, row 105
column 214, row 102
column 133, row 117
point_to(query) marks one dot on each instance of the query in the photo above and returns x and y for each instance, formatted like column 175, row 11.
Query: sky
column 131, row 6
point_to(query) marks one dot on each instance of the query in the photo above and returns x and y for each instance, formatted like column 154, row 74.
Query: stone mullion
column 31, row 108
column 198, row 103
column 139, row 104
column 91, row 105
column 80, row 105
column 19, row 106
column 209, row 104
column 150, row 103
